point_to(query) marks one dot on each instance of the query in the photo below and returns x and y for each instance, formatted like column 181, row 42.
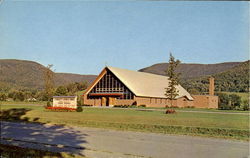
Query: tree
column 75, row 87
column 171, row 91
column 48, row 82
column 235, row 100
column 3, row 97
column 72, row 88
column 245, row 105
column 61, row 91
column 82, row 86
column 18, row 95
column 224, row 101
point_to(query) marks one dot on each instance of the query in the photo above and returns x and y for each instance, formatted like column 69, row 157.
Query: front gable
column 107, row 84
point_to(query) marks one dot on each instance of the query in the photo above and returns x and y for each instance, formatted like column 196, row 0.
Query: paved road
column 100, row 143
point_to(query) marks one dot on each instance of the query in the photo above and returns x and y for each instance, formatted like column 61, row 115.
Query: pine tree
column 171, row 91
column 48, row 82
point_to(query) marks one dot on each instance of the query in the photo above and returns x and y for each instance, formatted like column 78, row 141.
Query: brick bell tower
column 211, row 86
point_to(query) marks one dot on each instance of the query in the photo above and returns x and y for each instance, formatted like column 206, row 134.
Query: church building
column 115, row 86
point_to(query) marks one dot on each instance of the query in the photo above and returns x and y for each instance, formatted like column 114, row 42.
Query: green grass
column 198, row 109
column 22, row 103
column 235, row 126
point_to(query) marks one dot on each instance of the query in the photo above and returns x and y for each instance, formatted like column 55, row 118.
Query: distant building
column 115, row 86
column 65, row 101
column 32, row 99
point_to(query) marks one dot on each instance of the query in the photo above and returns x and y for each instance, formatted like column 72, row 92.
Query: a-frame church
column 115, row 86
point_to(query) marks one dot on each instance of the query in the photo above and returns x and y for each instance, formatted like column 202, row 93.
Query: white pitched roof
column 146, row 84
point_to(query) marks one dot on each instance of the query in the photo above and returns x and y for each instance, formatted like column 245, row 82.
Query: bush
column 134, row 103
column 132, row 106
column 117, row 106
column 125, row 106
column 143, row 106
column 79, row 103
column 224, row 107
column 174, row 106
column 48, row 104
column 79, row 109
column 122, row 106
column 190, row 107
column 60, row 109
column 170, row 111
column 86, row 105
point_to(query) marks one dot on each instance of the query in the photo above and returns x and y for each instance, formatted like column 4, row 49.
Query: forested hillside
column 235, row 79
column 191, row 70
column 22, row 74
column 230, row 76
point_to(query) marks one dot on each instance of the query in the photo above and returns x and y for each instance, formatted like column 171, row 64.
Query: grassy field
column 235, row 126
column 22, row 103
column 43, row 103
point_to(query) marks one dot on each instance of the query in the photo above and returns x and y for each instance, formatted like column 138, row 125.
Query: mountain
column 29, row 74
column 191, row 70
column 235, row 79
column 229, row 76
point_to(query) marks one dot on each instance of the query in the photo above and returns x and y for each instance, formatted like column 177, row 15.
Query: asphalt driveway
column 102, row 143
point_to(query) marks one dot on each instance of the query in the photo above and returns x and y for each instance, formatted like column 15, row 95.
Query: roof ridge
column 146, row 73
column 145, row 84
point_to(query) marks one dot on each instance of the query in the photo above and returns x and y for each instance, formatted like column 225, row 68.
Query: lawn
column 235, row 126
column 23, row 103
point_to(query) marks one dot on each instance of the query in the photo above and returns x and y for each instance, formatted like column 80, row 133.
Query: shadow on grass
column 48, row 140
column 14, row 151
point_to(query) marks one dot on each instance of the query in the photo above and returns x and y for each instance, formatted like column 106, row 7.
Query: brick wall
column 205, row 101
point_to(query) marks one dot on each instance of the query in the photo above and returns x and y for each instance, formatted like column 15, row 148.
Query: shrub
column 224, row 107
column 132, row 106
column 134, row 103
column 86, row 105
column 117, row 106
column 60, row 109
column 174, row 106
column 170, row 111
column 79, row 109
column 125, row 106
column 79, row 103
column 48, row 104
column 190, row 107
column 143, row 106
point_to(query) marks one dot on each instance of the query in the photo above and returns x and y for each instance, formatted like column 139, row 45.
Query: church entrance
column 108, row 101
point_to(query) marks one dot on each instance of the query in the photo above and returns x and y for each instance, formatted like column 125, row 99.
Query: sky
column 85, row 36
